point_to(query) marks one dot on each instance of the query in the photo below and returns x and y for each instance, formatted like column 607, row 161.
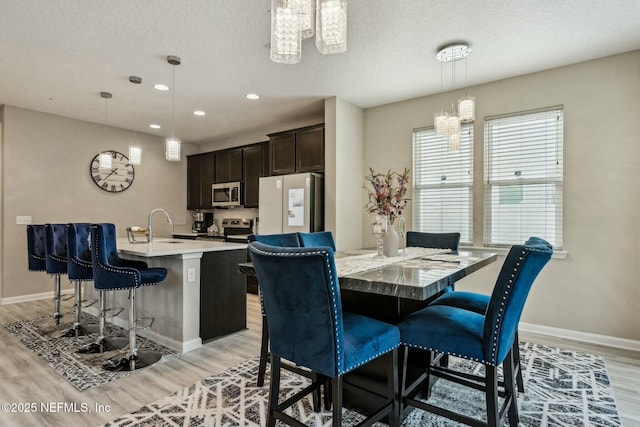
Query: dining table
column 389, row 289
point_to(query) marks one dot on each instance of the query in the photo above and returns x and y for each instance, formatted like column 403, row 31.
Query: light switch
column 23, row 219
column 191, row 275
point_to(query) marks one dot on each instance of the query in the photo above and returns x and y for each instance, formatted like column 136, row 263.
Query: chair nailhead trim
column 446, row 352
column 507, row 292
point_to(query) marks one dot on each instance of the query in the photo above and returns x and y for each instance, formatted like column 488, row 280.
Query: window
column 443, row 183
column 523, row 177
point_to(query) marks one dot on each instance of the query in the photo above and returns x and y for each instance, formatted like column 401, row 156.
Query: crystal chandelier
column 172, row 151
column 448, row 124
column 295, row 20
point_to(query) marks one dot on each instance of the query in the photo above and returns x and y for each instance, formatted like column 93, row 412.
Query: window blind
column 443, row 183
column 524, row 177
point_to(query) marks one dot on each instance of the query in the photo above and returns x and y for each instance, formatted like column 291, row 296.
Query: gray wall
column 46, row 175
column 595, row 288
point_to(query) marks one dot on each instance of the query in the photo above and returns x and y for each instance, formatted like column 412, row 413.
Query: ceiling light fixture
column 172, row 152
column 105, row 158
column 331, row 26
column 294, row 20
column 199, row 113
column 253, row 96
column 160, row 86
column 448, row 124
column 154, row 126
column 135, row 152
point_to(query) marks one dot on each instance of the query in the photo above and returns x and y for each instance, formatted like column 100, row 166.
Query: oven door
column 237, row 238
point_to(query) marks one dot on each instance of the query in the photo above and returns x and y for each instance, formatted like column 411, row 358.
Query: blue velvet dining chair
column 433, row 240
column 112, row 273
column 478, row 303
column 318, row 238
column 486, row 338
column 308, row 327
column 290, row 240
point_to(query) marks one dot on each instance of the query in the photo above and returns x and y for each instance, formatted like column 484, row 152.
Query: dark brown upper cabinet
column 298, row 150
column 228, row 165
column 255, row 165
column 200, row 176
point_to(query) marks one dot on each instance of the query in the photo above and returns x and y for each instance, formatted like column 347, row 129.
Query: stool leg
column 76, row 324
column 102, row 320
column 133, row 349
column 56, row 298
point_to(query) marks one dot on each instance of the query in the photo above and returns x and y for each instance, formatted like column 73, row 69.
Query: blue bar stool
column 79, row 269
column 36, row 258
column 36, row 248
column 56, row 259
column 112, row 273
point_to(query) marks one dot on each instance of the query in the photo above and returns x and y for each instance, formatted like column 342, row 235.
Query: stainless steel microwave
column 226, row 194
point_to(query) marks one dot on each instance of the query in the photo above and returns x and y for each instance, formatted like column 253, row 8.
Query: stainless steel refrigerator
column 291, row 203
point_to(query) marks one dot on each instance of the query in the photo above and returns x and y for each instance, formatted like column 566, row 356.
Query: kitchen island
column 201, row 297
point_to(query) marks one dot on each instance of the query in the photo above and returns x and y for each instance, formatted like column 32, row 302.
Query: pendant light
column 307, row 11
column 466, row 104
column 135, row 152
column 286, row 33
column 449, row 124
column 172, row 151
column 105, row 158
column 331, row 26
column 295, row 20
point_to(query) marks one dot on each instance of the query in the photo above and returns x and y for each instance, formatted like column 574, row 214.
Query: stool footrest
column 89, row 302
column 113, row 311
column 66, row 297
column 145, row 319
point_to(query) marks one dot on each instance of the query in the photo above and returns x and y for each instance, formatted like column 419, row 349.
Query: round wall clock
column 115, row 179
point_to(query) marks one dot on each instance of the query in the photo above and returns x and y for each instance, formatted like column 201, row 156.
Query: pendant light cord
column 173, row 102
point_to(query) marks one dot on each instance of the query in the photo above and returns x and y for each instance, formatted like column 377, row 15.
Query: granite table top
column 417, row 274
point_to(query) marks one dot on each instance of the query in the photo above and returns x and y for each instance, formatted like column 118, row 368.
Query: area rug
column 84, row 371
column 562, row 388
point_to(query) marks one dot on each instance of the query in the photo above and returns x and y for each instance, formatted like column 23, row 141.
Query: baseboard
column 585, row 337
column 33, row 297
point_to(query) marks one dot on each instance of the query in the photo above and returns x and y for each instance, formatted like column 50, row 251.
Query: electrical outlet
column 191, row 275
column 23, row 219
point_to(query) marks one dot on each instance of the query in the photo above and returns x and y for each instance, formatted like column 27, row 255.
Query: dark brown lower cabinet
column 223, row 294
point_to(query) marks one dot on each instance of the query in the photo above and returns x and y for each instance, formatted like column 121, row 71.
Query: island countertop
column 166, row 246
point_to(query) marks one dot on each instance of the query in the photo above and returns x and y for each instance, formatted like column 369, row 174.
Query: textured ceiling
column 57, row 55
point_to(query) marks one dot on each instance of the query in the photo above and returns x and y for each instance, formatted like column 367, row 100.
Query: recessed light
column 253, row 96
column 161, row 86
column 199, row 113
column 154, row 126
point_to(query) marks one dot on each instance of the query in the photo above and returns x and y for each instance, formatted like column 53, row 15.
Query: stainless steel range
column 237, row 230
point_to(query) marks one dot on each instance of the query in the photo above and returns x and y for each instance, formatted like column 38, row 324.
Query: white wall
column 595, row 289
column 45, row 168
column 343, row 160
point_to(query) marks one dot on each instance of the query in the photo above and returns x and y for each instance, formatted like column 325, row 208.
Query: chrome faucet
column 169, row 220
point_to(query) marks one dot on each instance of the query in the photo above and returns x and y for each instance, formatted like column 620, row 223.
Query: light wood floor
column 24, row 378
